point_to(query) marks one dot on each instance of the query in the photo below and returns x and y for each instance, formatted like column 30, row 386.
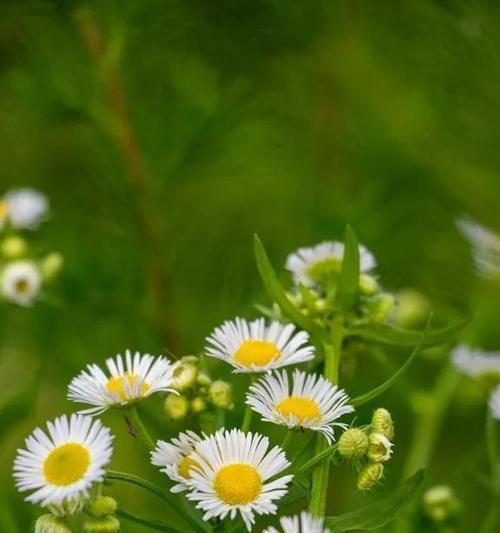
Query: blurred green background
column 166, row 133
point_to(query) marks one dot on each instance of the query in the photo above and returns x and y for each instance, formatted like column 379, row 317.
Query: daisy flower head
column 477, row 364
column 25, row 208
column 309, row 401
column 176, row 458
column 128, row 380
column 20, row 282
column 232, row 474
column 318, row 265
column 61, row 464
column 303, row 523
column 257, row 347
column 485, row 245
column 494, row 403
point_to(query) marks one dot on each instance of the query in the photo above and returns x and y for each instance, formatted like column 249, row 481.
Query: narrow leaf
column 276, row 292
column 348, row 291
column 377, row 514
column 395, row 336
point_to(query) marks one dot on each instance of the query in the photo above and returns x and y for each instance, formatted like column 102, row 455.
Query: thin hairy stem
column 137, row 428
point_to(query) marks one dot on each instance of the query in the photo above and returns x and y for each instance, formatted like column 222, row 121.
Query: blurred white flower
column 20, row 282
column 495, row 403
column 25, row 208
column 476, row 363
column 318, row 264
column 303, row 523
column 485, row 246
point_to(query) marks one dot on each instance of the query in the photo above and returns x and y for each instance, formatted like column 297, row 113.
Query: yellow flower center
column 22, row 286
column 259, row 353
column 238, row 484
column 3, row 211
column 325, row 271
column 66, row 464
column 301, row 408
column 117, row 385
column 186, row 465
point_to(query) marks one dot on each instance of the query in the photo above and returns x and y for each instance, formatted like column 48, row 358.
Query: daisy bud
column 203, row 380
column 107, row 524
column 102, row 506
column 49, row 523
column 413, row 308
column 381, row 308
column 198, row 405
column 13, row 247
column 320, row 305
column 353, row 444
column 379, row 448
column 382, row 423
column 440, row 503
column 176, row 406
column 370, row 476
column 368, row 285
column 185, row 373
column 51, row 265
column 220, row 394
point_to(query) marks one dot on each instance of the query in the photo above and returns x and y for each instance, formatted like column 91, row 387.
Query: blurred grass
column 286, row 119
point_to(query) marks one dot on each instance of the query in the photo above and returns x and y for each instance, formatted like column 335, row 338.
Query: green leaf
column 348, row 292
column 377, row 391
column 276, row 292
column 377, row 514
column 395, row 336
column 18, row 406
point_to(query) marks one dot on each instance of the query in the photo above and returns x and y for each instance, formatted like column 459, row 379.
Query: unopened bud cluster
column 102, row 518
column 369, row 448
column 196, row 392
column 440, row 504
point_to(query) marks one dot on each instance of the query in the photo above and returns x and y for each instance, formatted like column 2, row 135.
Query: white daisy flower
column 20, row 282
column 25, row 208
column 476, row 363
column 495, row 403
column 130, row 379
column 317, row 264
column 485, row 246
column 62, row 464
column 232, row 474
column 3, row 213
column 257, row 347
column 303, row 523
column 311, row 402
column 176, row 458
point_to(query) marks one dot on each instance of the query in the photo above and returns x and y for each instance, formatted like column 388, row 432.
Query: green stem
column 492, row 518
column 426, row 433
column 153, row 489
column 138, row 428
column 152, row 524
column 321, row 474
column 247, row 417
column 325, row 454
column 286, row 438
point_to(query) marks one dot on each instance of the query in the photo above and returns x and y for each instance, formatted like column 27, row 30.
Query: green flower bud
column 379, row 448
column 176, row 406
column 381, row 308
column 185, row 373
column 368, row 285
column 413, row 308
column 220, row 394
column 49, row 523
column 370, row 476
column 321, row 305
column 440, row 503
column 51, row 265
column 106, row 524
column 198, row 405
column 13, row 247
column 353, row 444
column 203, row 379
column 382, row 423
column 102, row 506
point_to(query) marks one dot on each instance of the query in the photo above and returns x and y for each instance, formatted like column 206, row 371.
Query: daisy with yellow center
column 232, row 474
column 20, row 282
column 176, row 458
column 309, row 401
column 62, row 464
column 257, row 347
column 321, row 264
column 303, row 523
column 128, row 380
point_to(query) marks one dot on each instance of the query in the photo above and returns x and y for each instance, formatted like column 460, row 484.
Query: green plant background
column 166, row 133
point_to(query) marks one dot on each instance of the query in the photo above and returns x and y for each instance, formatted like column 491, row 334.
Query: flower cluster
column 22, row 276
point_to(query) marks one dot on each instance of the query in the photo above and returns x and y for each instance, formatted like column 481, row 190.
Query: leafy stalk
column 138, row 428
column 151, row 524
